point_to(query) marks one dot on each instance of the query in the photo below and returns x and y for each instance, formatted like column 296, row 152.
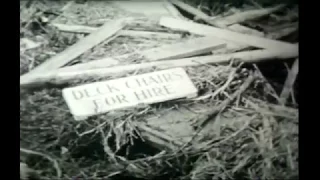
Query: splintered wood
column 100, row 97
column 130, row 33
column 189, row 48
column 246, row 16
column 58, row 77
column 173, row 11
column 227, row 35
column 107, row 31
column 220, row 22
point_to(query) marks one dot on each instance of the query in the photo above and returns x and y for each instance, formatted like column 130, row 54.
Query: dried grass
column 250, row 139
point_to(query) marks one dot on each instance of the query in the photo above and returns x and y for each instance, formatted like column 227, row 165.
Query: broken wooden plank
column 246, row 16
column 130, row 33
column 283, row 32
column 185, row 49
column 105, row 33
column 74, row 28
column 232, row 47
column 56, row 77
column 149, row 34
column 173, row 10
column 27, row 44
column 244, row 39
column 94, row 64
column 279, row 27
column 289, row 83
column 194, row 11
column 210, row 20
column 189, row 48
column 245, row 30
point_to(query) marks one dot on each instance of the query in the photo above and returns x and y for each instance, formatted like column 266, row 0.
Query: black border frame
column 10, row 89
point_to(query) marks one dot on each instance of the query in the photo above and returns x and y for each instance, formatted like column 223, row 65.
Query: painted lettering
column 157, row 91
column 110, row 101
column 122, row 98
column 101, row 90
column 168, row 89
column 152, row 80
column 167, row 77
column 89, row 93
column 98, row 104
column 77, row 95
column 141, row 95
column 112, row 88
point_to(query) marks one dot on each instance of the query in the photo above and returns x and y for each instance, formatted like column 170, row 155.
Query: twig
column 211, row 115
column 55, row 163
column 93, row 129
column 223, row 140
column 225, row 103
column 289, row 83
column 221, row 89
column 268, row 85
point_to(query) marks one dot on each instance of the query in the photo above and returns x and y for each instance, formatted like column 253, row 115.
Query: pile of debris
column 224, row 120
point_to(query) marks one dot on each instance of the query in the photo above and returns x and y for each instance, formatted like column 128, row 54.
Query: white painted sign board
column 101, row 97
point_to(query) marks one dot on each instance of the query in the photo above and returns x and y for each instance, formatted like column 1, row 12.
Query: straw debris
column 236, row 128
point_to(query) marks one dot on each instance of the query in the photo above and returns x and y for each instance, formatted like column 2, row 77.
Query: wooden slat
column 57, row 77
column 245, row 30
column 95, row 64
column 173, row 10
column 244, row 39
column 215, row 22
column 247, row 15
column 189, row 48
column 107, row 31
column 131, row 33
column 192, row 10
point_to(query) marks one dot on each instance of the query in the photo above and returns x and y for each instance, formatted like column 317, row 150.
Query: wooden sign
column 101, row 97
